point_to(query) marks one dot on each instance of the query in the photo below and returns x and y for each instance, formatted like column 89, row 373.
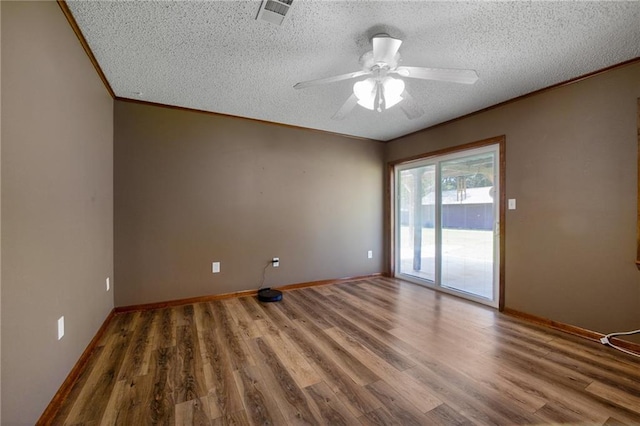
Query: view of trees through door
column 447, row 227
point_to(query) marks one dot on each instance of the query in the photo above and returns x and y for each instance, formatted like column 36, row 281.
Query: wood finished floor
column 378, row 351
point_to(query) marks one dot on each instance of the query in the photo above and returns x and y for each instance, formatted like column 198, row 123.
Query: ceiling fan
column 380, row 91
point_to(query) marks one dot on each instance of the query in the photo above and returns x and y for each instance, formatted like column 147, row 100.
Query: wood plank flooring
column 371, row 352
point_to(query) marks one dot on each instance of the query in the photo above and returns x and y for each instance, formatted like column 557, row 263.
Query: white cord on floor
column 606, row 341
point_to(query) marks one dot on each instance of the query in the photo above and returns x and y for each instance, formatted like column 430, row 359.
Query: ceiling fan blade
column 346, row 108
column 410, row 107
column 439, row 74
column 333, row 79
column 385, row 48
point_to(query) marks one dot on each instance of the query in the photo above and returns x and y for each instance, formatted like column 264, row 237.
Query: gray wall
column 193, row 188
column 571, row 164
column 57, row 204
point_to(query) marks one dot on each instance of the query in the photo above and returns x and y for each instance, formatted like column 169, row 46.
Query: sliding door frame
column 391, row 221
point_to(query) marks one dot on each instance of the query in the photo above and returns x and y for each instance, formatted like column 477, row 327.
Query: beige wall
column 57, row 192
column 571, row 165
column 193, row 188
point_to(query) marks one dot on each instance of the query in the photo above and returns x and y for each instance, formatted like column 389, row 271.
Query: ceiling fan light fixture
column 366, row 92
column 393, row 88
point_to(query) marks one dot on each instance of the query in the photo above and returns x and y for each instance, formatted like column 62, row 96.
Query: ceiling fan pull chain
column 379, row 97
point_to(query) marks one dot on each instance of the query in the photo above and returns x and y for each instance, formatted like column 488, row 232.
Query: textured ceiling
column 215, row 56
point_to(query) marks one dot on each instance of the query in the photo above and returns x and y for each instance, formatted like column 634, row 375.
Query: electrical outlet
column 370, row 254
column 108, row 284
column 215, row 267
column 275, row 262
column 60, row 327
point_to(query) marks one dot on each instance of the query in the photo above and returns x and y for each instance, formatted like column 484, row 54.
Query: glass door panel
column 416, row 217
column 468, row 217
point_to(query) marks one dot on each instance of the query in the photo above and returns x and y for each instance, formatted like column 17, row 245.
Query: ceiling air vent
column 274, row 11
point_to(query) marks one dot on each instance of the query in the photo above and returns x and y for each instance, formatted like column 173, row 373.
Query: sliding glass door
column 416, row 216
column 447, row 223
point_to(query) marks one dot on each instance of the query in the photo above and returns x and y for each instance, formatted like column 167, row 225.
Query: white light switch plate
column 512, row 203
column 60, row 327
column 370, row 254
column 215, row 267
